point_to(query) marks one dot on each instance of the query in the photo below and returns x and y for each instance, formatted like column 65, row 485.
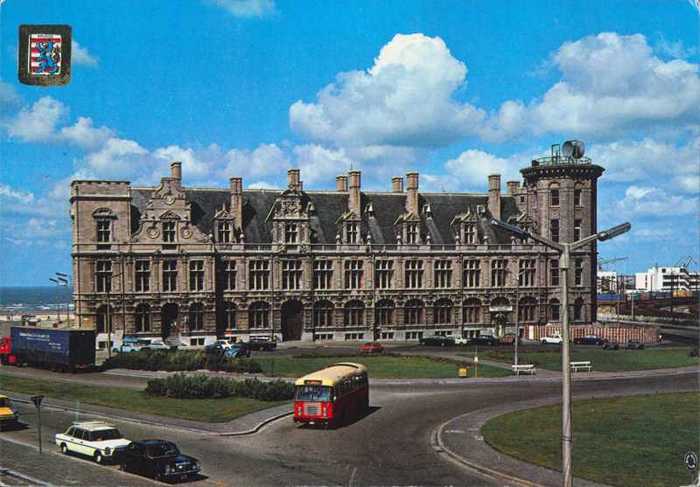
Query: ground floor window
column 354, row 336
column 196, row 342
column 387, row 335
column 414, row 335
column 259, row 315
column 324, row 336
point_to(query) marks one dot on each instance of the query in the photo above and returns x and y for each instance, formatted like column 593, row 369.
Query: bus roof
column 332, row 374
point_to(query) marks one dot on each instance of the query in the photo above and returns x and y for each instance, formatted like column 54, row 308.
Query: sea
column 35, row 298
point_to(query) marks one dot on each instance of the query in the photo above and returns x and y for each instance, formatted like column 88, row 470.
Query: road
column 389, row 446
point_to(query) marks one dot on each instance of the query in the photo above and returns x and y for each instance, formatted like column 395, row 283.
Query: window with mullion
column 197, row 275
column 472, row 273
column 323, row 274
column 414, row 274
column 443, row 274
column 143, row 275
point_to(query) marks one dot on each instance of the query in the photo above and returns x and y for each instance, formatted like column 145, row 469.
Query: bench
column 526, row 368
column 585, row 365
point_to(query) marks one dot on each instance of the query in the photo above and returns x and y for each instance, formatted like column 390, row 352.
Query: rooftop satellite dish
column 573, row 148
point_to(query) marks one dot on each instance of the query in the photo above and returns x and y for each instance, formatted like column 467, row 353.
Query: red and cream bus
column 332, row 395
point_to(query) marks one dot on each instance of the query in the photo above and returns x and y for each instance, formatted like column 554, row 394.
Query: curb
column 21, row 476
column 441, row 449
column 251, row 431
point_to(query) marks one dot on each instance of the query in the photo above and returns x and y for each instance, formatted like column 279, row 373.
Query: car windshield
column 312, row 393
column 105, row 435
column 165, row 449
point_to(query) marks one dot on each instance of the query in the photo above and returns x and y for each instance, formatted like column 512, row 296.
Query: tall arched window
column 384, row 312
column 196, row 317
column 259, row 315
column 527, row 310
column 354, row 313
column 578, row 310
column 323, row 314
column 142, row 318
column 471, row 311
column 413, row 312
column 229, row 315
column 554, row 310
column 103, row 319
column 554, row 194
column 442, row 312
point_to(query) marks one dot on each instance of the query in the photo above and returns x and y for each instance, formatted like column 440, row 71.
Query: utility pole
column 564, row 251
column 37, row 402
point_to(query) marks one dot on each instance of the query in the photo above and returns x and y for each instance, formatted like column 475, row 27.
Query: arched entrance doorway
column 292, row 320
column 168, row 319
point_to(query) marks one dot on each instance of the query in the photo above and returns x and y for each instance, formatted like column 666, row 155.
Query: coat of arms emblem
column 44, row 54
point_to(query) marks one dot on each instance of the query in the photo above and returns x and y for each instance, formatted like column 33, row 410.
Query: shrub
column 180, row 360
column 199, row 386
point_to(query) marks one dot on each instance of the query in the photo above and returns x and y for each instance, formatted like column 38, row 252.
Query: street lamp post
column 564, row 251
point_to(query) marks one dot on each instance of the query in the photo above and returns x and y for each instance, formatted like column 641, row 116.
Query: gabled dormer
column 465, row 228
column 349, row 224
column 408, row 226
column 290, row 214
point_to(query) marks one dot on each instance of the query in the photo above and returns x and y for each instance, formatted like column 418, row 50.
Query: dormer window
column 168, row 231
column 291, row 233
column 469, row 233
column 351, row 233
column 412, row 233
column 224, row 232
column 104, row 231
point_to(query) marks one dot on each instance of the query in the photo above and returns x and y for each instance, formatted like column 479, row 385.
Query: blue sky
column 454, row 89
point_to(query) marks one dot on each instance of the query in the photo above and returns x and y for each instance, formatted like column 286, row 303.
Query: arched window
column 229, row 315
column 554, row 310
column 142, row 318
column 472, row 311
column 323, row 314
column 578, row 310
column 196, row 317
column 354, row 313
column 527, row 310
column 442, row 312
column 103, row 319
column 413, row 312
column 499, row 310
column 259, row 315
column 384, row 312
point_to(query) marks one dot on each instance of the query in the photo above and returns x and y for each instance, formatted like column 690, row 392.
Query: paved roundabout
column 396, row 444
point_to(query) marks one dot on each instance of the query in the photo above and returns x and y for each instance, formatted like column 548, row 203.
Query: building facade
column 194, row 264
column 667, row 279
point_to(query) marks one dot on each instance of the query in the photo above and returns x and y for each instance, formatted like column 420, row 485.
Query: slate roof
column 329, row 206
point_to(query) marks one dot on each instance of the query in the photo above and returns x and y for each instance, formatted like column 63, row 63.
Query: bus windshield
column 313, row 393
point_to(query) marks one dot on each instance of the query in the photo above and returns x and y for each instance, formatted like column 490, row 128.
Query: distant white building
column 659, row 278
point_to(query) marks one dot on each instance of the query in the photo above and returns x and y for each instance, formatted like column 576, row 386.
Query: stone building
column 343, row 264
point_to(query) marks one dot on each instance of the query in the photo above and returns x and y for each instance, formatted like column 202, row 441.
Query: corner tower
column 560, row 195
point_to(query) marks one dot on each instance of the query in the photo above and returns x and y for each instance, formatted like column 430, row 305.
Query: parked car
column 371, row 347
column 610, row 345
column 553, row 340
column 95, row 439
column 264, row 344
column 218, row 345
column 589, row 340
column 131, row 344
column 154, row 344
column 8, row 415
column 159, row 459
column 237, row 350
column 461, row 340
column 484, row 340
column 634, row 345
column 437, row 341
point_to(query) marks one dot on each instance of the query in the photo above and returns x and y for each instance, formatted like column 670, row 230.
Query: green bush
column 200, row 386
column 174, row 361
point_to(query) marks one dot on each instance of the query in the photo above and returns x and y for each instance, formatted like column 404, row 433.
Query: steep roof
column 329, row 206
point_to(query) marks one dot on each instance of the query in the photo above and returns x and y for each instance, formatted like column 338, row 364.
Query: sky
column 454, row 89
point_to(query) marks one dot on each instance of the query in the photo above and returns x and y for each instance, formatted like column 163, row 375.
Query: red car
column 372, row 347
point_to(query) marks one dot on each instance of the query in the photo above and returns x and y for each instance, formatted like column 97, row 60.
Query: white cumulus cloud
column 247, row 8
column 38, row 122
column 653, row 201
column 80, row 55
column 84, row 134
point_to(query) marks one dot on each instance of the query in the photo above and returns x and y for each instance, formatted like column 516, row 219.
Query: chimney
column 513, row 187
column 495, row 195
column 397, row 184
column 341, row 183
column 412, row 192
column 176, row 170
column 354, row 188
column 293, row 179
column 236, row 185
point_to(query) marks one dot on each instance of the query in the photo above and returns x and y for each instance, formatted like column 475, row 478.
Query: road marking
column 457, row 432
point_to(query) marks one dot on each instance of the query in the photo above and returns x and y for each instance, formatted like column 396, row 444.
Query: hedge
column 202, row 386
column 180, row 360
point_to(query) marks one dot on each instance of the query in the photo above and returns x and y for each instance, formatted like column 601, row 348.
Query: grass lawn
column 205, row 410
column 630, row 441
column 380, row 366
column 605, row 360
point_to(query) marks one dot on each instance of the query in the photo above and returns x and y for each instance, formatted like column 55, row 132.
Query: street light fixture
column 564, row 250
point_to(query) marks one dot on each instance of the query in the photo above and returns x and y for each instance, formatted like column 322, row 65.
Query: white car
column 95, row 439
column 154, row 344
column 461, row 341
column 556, row 339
